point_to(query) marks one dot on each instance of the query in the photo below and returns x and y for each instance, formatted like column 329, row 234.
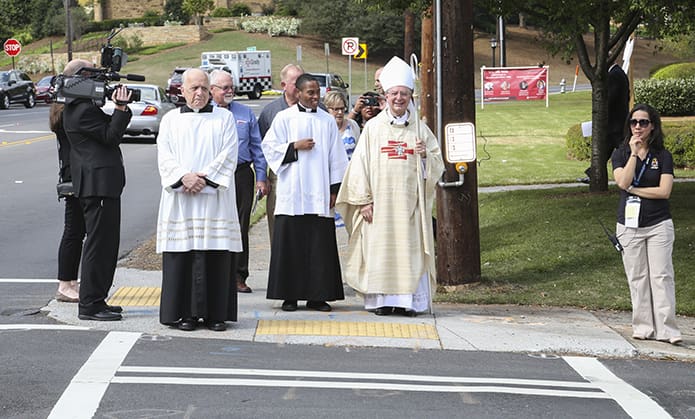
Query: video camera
column 93, row 83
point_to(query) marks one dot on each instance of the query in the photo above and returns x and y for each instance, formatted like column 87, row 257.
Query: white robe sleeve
column 169, row 168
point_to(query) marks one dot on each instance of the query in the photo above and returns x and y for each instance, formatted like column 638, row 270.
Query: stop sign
column 12, row 47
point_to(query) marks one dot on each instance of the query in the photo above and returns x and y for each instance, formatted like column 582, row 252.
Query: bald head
column 73, row 66
column 196, row 88
column 288, row 76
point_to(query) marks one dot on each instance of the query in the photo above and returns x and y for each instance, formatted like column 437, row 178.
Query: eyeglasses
column 337, row 109
column 643, row 123
column 225, row 88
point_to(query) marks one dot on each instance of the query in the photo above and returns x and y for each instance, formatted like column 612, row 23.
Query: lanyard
column 635, row 181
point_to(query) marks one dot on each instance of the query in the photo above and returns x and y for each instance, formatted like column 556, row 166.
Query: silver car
column 147, row 112
column 331, row 82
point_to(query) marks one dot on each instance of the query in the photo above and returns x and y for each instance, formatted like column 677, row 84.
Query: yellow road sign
column 362, row 53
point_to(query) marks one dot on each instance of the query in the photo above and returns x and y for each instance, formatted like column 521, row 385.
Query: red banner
column 515, row 83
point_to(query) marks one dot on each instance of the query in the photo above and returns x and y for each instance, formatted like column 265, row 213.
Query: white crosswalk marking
column 635, row 403
column 82, row 396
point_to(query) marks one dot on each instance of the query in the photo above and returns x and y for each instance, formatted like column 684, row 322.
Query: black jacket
column 96, row 160
column 618, row 103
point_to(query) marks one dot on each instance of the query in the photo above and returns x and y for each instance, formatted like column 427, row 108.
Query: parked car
column 16, row 87
column 174, row 86
column 331, row 82
column 147, row 112
column 43, row 90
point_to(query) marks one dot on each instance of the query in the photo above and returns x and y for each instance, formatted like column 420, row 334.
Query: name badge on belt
column 632, row 208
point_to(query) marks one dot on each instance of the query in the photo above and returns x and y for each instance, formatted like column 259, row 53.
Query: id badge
column 632, row 208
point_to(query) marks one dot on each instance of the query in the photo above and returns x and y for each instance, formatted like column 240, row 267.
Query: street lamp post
column 493, row 45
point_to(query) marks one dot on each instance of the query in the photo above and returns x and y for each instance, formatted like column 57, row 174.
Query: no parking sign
column 350, row 46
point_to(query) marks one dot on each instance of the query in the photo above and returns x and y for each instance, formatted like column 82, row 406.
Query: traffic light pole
column 458, row 232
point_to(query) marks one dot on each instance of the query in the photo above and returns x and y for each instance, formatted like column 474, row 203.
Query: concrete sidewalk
column 540, row 330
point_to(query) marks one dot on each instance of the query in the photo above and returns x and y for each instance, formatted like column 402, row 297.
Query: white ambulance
column 251, row 70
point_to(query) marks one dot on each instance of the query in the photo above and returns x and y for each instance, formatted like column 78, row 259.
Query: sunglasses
column 643, row 123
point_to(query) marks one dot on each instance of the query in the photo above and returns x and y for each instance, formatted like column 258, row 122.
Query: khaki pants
column 649, row 269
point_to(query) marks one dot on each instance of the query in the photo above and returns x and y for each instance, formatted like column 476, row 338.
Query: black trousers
column 70, row 249
column 245, row 183
column 102, row 217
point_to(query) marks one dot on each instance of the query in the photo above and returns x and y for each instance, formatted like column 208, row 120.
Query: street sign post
column 349, row 47
column 362, row 55
column 12, row 48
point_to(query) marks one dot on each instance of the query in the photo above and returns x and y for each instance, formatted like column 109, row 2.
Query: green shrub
column 240, row 9
column 679, row 139
column 675, row 71
column 671, row 97
column 221, row 12
column 578, row 146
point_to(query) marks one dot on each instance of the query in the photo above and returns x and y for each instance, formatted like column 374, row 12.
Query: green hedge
column 679, row 140
column 671, row 97
column 675, row 71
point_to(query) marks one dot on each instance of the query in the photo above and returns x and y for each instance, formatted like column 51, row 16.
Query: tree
column 173, row 10
column 198, row 8
column 610, row 24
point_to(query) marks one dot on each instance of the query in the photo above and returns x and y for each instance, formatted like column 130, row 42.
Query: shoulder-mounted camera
column 93, row 83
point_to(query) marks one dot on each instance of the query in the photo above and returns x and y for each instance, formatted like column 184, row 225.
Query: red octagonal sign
column 12, row 47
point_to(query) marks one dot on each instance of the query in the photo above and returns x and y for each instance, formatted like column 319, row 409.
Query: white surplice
column 204, row 142
column 303, row 186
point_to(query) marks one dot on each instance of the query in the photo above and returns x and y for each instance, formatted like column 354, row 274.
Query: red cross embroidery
column 397, row 150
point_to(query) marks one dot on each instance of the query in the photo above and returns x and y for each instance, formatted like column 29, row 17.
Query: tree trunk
column 409, row 34
column 427, row 106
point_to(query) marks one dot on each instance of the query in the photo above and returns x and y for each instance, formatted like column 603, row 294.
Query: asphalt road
column 77, row 372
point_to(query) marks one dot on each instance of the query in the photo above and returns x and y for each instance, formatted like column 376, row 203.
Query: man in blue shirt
column 250, row 153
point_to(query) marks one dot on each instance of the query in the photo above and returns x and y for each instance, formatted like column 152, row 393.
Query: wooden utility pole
column 427, row 107
column 458, row 232
column 409, row 34
column 68, row 28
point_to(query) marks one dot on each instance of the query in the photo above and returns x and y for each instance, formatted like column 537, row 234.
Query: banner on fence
column 513, row 83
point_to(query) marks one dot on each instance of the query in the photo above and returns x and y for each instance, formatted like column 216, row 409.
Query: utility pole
column 68, row 28
column 458, row 232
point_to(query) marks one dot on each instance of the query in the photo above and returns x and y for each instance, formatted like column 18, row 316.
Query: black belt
column 243, row 165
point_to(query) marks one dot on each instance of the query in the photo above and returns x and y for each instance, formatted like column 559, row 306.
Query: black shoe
column 404, row 312
column 586, row 180
column 102, row 316
column 383, row 311
column 318, row 305
column 114, row 309
column 188, row 325
column 216, row 326
column 289, row 305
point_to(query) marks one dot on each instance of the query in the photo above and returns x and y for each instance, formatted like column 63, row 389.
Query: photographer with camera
column 98, row 178
column 366, row 107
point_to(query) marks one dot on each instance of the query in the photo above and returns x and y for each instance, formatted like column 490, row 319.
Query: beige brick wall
column 157, row 35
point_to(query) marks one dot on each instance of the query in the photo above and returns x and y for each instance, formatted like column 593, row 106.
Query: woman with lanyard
column 643, row 170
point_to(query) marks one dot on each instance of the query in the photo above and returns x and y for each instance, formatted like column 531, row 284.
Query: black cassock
column 304, row 263
column 197, row 284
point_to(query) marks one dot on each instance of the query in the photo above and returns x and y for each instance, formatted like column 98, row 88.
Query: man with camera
column 98, row 178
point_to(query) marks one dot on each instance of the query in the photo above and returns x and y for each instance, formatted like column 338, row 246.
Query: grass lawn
column 546, row 247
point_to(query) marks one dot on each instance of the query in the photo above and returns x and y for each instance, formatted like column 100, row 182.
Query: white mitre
column 397, row 73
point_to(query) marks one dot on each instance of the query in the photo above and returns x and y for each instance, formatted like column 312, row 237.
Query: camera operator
column 98, row 177
column 366, row 107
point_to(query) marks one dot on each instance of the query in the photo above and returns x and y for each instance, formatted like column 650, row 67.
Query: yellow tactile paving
column 136, row 297
column 338, row 328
